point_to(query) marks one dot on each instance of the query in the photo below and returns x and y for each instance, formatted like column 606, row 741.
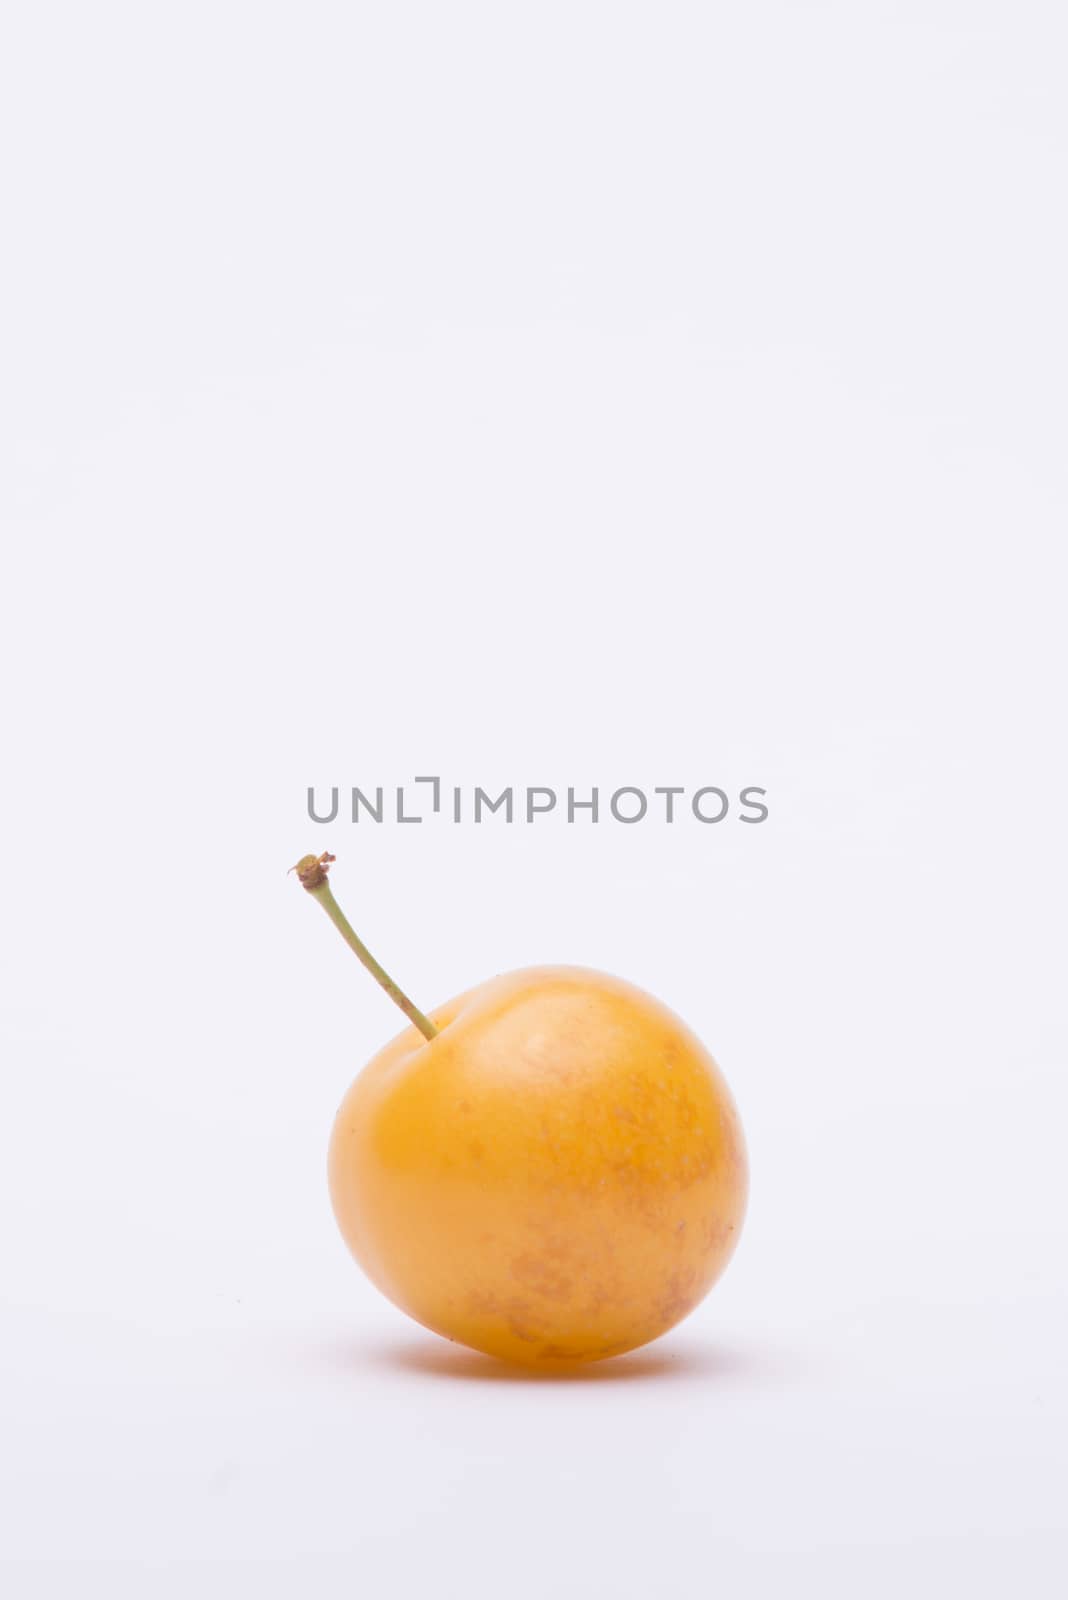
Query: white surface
column 561, row 394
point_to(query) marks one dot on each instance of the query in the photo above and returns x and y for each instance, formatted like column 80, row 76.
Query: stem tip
column 312, row 870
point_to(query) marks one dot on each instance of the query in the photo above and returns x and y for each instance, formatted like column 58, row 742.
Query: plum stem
column 312, row 871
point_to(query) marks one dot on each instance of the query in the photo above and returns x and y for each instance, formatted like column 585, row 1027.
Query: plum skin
column 557, row 1177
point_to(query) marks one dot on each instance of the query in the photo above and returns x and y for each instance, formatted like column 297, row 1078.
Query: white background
column 560, row 394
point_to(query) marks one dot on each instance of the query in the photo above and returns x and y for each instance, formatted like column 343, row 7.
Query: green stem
column 312, row 872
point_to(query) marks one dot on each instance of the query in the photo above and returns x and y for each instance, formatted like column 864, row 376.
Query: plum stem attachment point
column 312, row 872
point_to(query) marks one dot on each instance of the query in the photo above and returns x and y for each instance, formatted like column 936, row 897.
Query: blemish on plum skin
column 482, row 1304
column 542, row 1278
column 715, row 1235
column 681, row 1296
